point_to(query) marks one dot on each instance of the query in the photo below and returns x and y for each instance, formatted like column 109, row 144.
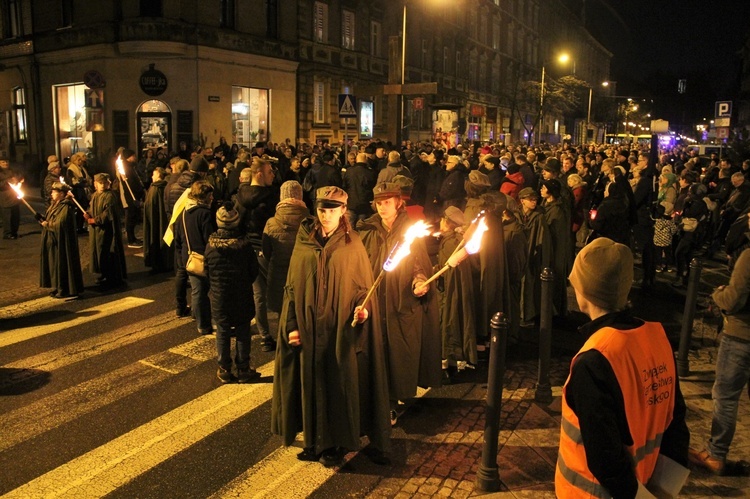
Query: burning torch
column 398, row 253
column 72, row 196
column 121, row 171
column 469, row 245
column 19, row 194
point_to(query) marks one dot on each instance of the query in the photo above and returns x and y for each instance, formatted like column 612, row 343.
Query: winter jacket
column 359, row 182
column 174, row 191
column 278, row 242
column 200, row 225
column 732, row 299
column 512, row 184
column 255, row 204
column 231, row 267
column 452, row 191
column 390, row 171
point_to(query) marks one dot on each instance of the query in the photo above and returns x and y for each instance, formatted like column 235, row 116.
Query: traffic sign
column 723, row 109
column 94, row 79
column 722, row 132
column 94, row 97
column 347, row 106
column 722, row 122
column 418, row 103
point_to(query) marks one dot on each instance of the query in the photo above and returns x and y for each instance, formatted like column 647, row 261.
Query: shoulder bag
column 195, row 264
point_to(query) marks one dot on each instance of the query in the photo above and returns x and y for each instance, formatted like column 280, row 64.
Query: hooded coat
column 105, row 237
column 60, row 262
column 538, row 255
column 411, row 323
column 156, row 253
column 333, row 386
column 279, row 236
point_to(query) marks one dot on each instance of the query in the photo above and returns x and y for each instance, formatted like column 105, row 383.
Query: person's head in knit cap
column 227, row 217
column 602, row 275
column 199, row 164
column 291, row 189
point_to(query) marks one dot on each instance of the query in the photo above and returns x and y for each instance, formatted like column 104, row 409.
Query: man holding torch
column 330, row 377
column 60, row 262
column 11, row 213
column 408, row 309
column 105, row 236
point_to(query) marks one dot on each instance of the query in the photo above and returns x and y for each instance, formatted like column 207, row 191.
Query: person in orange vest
column 622, row 408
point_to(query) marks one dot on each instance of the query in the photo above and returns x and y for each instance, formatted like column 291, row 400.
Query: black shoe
column 377, row 456
column 332, row 457
column 183, row 312
column 268, row 345
column 136, row 244
column 225, row 376
column 247, row 375
column 308, row 454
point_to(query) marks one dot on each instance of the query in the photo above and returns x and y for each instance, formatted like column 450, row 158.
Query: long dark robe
column 538, row 255
column 457, row 306
column 334, row 386
column 411, row 324
column 515, row 251
column 60, row 262
column 558, row 221
column 105, row 237
column 156, row 253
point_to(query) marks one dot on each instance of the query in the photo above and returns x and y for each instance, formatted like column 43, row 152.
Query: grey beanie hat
column 291, row 189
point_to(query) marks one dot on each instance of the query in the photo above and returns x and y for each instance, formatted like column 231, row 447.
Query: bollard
column 683, row 365
column 543, row 393
column 488, row 479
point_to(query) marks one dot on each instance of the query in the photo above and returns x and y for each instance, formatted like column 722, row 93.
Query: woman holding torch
column 330, row 377
column 408, row 310
column 60, row 262
column 105, row 236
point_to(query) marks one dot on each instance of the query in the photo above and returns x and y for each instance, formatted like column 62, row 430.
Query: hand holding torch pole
column 121, row 171
column 19, row 194
column 399, row 251
column 72, row 196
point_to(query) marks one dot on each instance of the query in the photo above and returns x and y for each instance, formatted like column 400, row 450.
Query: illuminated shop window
column 250, row 114
column 70, row 119
column 19, row 116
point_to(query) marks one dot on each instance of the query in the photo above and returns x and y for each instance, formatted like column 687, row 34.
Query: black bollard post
column 543, row 392
column 683, row 365
column 488, row 479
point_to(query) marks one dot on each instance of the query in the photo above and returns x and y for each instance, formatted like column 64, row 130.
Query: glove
column 91, row 221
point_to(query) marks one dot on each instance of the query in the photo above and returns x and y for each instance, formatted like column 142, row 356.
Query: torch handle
column 131, row 190
column 369, row 294
column 78, row 204
column 38, row 216
column 436, row 275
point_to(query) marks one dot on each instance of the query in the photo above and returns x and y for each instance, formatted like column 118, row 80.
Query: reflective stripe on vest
column 581, row 482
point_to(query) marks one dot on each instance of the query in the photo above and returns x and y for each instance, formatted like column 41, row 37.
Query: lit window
column 320, row 22
column 320, row 100
column 13, row 26
column 70, row 113
column 375, row 30
column 250, row 114
column 347, row 29
column 19, row 118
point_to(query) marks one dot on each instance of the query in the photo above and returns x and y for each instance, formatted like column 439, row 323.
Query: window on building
column 423, row 60
column 272, row 18
column 320, row 102
column 445, row 60
column 12, row 26
column 66, row 8
column 227, row 14
column 375, row 35
column 347, row 29
column 496, row 36
column 320, row 22
column 250, row 112
column 458, row 63
column 70, row 119
column 151, row 8
column 509, row 41
column 19, row 115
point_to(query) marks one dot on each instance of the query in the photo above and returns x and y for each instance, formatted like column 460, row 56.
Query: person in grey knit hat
column 232, row 267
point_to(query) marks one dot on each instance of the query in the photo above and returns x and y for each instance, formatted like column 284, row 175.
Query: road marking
column 80, row 317
column 112, row 465
column 53, row 411
column 28, row 307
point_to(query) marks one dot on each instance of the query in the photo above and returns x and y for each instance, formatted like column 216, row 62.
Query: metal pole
column 543, row 392
column 683, row 365
column 541, row 110
column 588, row 116
column 488, row 478
column 403, row 80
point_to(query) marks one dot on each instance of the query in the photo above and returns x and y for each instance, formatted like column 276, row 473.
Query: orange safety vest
column 644, row 366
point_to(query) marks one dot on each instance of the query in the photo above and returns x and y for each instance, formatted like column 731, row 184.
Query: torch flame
column 17, row 187
column 120, row 167
column 419, row 229
column 473, row 244
column 62, row 180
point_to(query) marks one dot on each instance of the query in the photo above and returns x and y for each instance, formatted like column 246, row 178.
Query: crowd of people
column 304, row 231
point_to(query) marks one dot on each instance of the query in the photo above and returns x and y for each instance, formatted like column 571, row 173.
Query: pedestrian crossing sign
column 347, row 106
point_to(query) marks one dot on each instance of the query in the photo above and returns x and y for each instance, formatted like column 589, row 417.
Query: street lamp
column 562, row 58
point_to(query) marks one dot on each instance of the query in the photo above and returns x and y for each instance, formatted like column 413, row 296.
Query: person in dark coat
column 131, row 195
column 452, row 192
column 429, row 182
column 156, row 253
column 490, row 166
column 538, row 253
column 409, row 312
column 516, row 245
column 54, row 170
column 191, row 232
column 60, row 263
column 105, row 234
column 278, row 240
column 610, row 219
column 82, row 184
column 323, row 173
column 231, row 268
column 558, row 221
column 330, row 378
column 358, row 183
column 690, row 236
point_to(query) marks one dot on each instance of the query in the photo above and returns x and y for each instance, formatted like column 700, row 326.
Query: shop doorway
column 154, row 127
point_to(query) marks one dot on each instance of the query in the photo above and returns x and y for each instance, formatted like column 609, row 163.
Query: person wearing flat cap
column 231, row 268
column 409, row 312
column 330, row 378
column 415, row 211
column 538, row 253
column 456, row 300
column 105, row 234
column 60, row 262
column 54, row 171
column 558, row 221
column 623, row 414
